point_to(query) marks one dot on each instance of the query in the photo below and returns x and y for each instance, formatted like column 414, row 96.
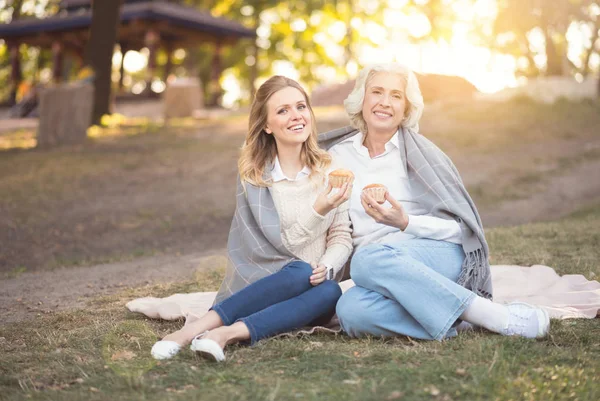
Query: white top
column 305, row 233
column 387, row 169
column 277, row 173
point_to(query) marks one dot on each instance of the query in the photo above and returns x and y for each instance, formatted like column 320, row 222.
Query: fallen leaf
column 433, row 390
column 122, row 355
column 461, row 372
column 394, row 395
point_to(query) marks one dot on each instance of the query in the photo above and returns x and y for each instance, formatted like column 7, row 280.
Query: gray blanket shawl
column 255, row 248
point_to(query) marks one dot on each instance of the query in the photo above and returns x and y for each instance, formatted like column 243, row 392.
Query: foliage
column 518, row 21
column 324, row 40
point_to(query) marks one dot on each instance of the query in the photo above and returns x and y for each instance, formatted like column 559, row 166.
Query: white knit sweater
column 308, row 235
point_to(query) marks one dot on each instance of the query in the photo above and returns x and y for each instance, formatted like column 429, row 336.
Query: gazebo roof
column 175, row 23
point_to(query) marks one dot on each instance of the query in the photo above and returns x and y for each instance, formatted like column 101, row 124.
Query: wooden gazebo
column 153, row 24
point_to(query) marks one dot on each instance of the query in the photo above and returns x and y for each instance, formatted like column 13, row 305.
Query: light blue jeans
column 405, row 288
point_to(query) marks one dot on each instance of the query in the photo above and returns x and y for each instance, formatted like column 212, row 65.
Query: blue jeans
column 281, row 302
column 405, row 288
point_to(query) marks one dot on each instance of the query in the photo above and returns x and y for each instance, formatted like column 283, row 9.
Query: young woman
column 290, row 234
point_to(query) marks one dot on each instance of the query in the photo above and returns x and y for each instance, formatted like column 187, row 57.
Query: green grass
column 102, row 353
column 570, row 245
column 488, row 126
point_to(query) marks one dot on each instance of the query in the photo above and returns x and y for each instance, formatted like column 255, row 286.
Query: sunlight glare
column 135, row 61
column 337, row 31
column 486, row 8
column 231, row 88
column 376, row 33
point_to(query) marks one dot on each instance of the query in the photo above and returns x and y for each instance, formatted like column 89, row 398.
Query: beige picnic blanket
column 564, row 297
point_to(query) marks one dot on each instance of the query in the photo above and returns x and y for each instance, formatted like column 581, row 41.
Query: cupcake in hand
column 339, row 177
column 376, row 191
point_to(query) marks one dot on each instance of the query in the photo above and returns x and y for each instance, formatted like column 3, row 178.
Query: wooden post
column 57, row 62
column 169, row 64
column 214, row 88
column 124, row 51
column 151, row 41
column 16, row 76
column 79, row 56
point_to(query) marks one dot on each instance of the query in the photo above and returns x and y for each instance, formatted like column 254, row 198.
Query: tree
column 16, row 75
column 518, row 19
column 99, row 52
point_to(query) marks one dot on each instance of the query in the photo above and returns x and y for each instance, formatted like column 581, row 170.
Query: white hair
column 414, row 107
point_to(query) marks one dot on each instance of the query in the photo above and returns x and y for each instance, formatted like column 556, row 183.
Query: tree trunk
column 253, row 76
column 554, row 64
column 590, row 51
column 99, row 52
column 16, row 74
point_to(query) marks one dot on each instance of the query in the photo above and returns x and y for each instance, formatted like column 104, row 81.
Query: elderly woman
column 421, row 259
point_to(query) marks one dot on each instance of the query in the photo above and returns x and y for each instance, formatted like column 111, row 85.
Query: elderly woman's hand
column 395, row 216
column 326, row 203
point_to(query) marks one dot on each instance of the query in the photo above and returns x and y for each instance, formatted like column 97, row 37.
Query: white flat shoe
column 207, row 348
column 526, row 321
column 165, row 349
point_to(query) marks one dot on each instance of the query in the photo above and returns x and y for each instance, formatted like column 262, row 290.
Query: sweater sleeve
column 339, row 240
column 434, row 228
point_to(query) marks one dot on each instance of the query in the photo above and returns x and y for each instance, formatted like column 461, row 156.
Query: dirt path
column 34, row 293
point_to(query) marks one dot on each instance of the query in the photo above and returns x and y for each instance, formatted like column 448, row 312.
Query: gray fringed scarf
column 437, row 186
column 255, row 248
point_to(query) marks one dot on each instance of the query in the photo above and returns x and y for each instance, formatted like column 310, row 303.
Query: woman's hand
column 395, row 216
column 319, row 273
column 325, row 203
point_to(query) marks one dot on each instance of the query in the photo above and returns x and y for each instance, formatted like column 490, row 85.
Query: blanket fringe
column 475, row 273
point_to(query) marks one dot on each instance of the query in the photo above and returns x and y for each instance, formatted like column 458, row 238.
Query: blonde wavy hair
column 414, row 107
column 259, row 149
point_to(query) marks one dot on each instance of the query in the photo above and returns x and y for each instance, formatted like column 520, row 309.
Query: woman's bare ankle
column 178, row 337
column 219, row 336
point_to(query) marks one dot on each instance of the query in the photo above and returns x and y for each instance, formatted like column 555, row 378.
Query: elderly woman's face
column 385, row 103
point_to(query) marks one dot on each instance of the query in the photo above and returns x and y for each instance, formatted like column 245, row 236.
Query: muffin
column 339, row 177
column 376, row 191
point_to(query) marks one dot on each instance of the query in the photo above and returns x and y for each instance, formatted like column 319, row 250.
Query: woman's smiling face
column 288, row 117
column 385, row 103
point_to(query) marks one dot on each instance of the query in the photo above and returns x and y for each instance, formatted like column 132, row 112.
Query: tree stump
column 182, row 97
column 65, row 114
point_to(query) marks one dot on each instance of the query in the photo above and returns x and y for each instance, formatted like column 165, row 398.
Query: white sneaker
column 526, row 321
column 207, row 348
column 165, row 349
